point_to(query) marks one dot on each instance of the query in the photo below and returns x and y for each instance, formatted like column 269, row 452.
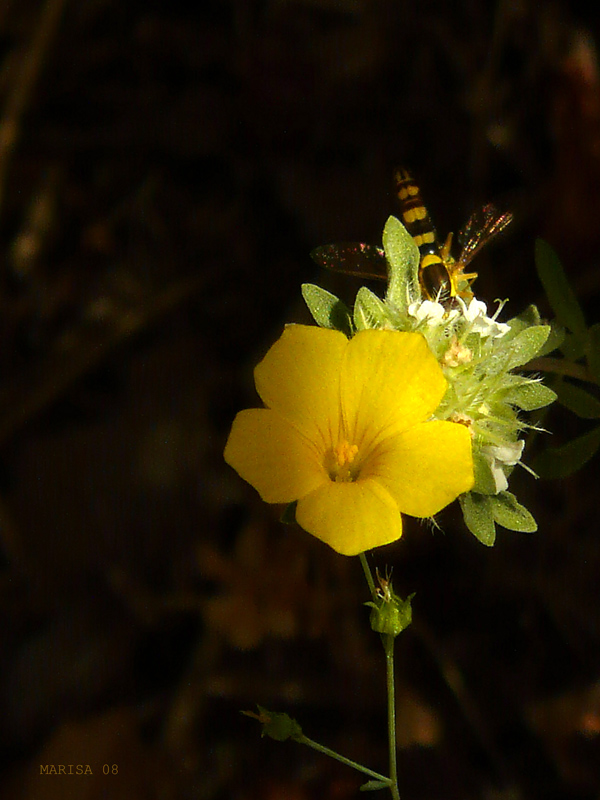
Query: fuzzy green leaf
column 527, row 344
column 559, row 462
column 526, row 319
column 530, row 396
column 511, row 514
column 403, row 258
column 478, row 516
column 577, row 400
column 554, row 340
column 558, row 289
column 369, row 310
column 328, row 310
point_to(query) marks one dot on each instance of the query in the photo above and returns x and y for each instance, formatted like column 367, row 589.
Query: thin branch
column 20, row 93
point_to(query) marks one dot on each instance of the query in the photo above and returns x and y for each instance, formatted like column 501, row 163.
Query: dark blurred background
column 165, row 170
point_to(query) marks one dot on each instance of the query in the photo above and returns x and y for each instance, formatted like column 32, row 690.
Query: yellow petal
column 351, row 517
column 424, row 468
column 272, row 456
column 300, row 378
column 390, row 381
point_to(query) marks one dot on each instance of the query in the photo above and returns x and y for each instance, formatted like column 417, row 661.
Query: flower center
column 339, row 460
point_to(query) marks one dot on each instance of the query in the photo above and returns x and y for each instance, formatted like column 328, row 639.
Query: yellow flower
column 346, row 434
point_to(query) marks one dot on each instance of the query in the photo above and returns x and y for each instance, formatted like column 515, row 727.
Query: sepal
column 510, row 514
column 390, row 615
column 477, row 513
column 369, row 310
column 526, row 345
column 529, row 395
column 402, row 255
column 328, row 311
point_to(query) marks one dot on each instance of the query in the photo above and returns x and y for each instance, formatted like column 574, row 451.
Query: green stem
column 388, row 646
column 368, row 575
column 348, row 762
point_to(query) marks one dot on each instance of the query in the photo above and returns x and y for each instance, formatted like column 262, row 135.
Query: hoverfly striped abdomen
column 435, row 279
column 442, row 278
column 414, row 213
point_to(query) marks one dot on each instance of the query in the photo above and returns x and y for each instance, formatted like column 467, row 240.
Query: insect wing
column 353, row 258
column 481, row 228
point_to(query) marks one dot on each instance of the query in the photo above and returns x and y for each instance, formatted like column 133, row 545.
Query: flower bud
column 390, row 614
column 276, row 725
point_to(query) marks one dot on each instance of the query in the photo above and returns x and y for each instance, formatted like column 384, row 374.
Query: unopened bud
column 390, row 614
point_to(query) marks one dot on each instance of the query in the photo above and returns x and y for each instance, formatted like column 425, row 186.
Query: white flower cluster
column 475, row 314
column 502, row 456
column 474, row 351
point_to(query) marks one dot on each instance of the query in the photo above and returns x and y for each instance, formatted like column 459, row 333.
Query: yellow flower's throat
column 339, row 462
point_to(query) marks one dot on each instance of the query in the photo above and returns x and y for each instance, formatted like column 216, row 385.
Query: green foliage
column 559, row 462
column 593, row 351
column 328, row 310
column 558, row 289
column 577, row 400
column 579, row 342
column 529, row 395
column 554, row 340
column 528, row 317
column 402, row 255
column 572, row 347
column 482, row 512
column 511, row 514
column 477, row 513
column 369, row 310
column 527, row 344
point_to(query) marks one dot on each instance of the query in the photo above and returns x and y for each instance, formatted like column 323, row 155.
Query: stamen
column 338, row 462
column 345, row 453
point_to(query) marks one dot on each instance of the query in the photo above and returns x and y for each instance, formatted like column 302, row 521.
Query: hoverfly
column 441, row 277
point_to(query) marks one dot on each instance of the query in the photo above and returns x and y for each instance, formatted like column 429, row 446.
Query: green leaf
column 373, row 786
column 530, row 315
column 484, row 478
column 403, row 258
column 558, row 289
column 527, row 344
column 554, row 340
column 526, row 319
column 593, row 351
column 369, row 310
column 577, row 400
column 559, row 462
column 328, row 310
column 530, row 396
column 511, row 514
column 478, row 517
